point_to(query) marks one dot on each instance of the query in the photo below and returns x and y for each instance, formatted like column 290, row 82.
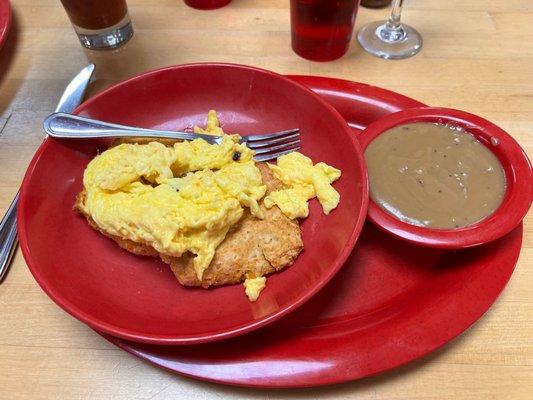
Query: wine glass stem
column 395, row 14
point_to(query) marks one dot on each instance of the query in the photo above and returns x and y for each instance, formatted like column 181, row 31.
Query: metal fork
column 268, row 146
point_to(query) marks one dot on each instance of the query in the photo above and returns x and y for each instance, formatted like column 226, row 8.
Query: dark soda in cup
column 100, row 24
column 206, row 4
column 95, row 14
column 322, row 29
column 375, row 3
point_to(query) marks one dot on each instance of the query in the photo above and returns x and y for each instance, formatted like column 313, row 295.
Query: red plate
column 138, row 298
column 5, row 20
column 391, row 303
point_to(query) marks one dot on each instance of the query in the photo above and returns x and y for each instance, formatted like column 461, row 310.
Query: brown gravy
column 434, row 175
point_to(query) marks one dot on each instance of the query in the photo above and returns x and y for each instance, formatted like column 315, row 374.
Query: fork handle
column 8, row 237
column 67, row 126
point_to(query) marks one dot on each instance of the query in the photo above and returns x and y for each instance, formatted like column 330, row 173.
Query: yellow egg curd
column 212, row 125
column 176, row 199
column 303, row 181
column 253, row 287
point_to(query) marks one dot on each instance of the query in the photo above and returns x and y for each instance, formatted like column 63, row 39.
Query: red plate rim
column 514, row 161
column 216, row 336
column 5, row 10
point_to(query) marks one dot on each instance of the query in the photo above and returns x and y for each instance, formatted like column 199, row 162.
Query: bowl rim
column 251, row 325
column 516, row 165
column 5, row 7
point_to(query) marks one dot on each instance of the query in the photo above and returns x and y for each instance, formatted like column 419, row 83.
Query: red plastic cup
column 206, row 4
column 322, row 29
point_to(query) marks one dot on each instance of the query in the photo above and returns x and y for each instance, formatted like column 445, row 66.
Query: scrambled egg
column 175, row 199
column 185, row 198
column 254, row 286
column 303, row 181
column 212, row 125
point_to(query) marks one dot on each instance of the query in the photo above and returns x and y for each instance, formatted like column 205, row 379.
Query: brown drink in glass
column 100, row 24
column 375, row 3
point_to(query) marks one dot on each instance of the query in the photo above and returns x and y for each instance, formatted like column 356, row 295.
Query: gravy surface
column 434, row 175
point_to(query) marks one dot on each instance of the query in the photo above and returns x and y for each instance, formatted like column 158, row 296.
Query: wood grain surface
column 477, row 56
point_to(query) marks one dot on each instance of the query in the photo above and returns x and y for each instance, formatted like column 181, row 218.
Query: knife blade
column 71, row 98
column 73, row 94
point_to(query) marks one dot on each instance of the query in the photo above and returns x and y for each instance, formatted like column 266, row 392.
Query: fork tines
column 271, row 146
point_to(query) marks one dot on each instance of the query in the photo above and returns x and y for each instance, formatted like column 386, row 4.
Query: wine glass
column 390, row 39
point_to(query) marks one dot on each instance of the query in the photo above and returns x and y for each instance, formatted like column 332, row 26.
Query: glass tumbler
column 322, row 29
column 100, row 24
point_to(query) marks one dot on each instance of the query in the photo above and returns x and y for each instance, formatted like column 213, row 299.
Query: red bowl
column 515, row 163
column 138, row 298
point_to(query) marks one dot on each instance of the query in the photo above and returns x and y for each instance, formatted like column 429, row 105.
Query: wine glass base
column 378, row 40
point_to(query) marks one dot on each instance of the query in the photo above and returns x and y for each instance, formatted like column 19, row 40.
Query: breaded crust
column 252, row 248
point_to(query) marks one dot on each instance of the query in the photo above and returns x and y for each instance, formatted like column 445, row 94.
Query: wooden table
column 477, row 56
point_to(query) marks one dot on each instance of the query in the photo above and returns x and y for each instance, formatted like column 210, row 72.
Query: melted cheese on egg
column 303, row 181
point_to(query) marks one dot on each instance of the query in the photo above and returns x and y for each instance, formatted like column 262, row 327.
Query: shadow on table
column 114, row 65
